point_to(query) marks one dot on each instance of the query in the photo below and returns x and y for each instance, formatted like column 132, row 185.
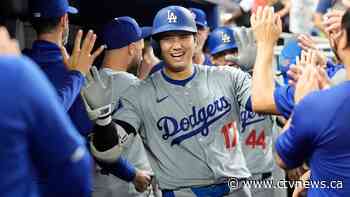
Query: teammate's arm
column 78, row 65
column 55, row 144
column 106, row 143
column 295, row 143
column 267, row 28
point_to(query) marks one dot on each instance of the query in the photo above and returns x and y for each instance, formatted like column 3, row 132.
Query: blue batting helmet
column 173, row 18
column 221, row 39
column 200, row 17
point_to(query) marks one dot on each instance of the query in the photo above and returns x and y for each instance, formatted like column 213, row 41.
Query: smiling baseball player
column 185, row 114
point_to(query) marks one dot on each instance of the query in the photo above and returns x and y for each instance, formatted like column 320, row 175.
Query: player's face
column 202, row 36
column 177, row 49
column 220, row 60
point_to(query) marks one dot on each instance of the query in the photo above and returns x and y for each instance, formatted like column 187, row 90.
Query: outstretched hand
column 81, row 58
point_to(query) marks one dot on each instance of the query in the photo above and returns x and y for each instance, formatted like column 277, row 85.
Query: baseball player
column 33, row 125
column 185, row 113
column 199, row 57
column 202, row 34
column 256, row 136
column 124, row 40
column 322, row 136
column 221, row 43
column 66, row 73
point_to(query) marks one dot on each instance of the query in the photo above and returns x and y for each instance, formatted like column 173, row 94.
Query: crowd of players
column 201, row 108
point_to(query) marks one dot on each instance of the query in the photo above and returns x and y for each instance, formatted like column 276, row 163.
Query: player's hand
column 332, row 21
column 323, row 80
column 307, row 83
column 300, row 191
column 81, row 58
column 296, row 173
column 306, row 42
column 266, row 25
column 97, row 95
column 306, row 59
column 142, row 181
column 294, row 72
column 247, row 50
column 8, row 46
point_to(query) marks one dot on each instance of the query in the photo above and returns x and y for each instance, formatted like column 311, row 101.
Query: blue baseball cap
column 200, row 17
column 122, row 31
column 50, row 8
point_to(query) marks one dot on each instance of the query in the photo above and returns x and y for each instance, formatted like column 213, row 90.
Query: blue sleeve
column 323, row 6
column 70, row 88
column 296, row 143
column 66, row 83
column 284, row 100
column 122, row 169
column 55, row 144
column 67, row 183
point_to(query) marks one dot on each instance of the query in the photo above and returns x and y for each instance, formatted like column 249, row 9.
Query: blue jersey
column 321, row 136
column 284, row 99
column 67, row 83
column 36, row 135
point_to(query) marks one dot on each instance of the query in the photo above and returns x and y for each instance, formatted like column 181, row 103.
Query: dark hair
column 45, row 25
column 345, row 23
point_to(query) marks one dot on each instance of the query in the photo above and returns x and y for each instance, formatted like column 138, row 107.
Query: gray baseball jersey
column 134, row 152
column 257, row 141
column 188, row 129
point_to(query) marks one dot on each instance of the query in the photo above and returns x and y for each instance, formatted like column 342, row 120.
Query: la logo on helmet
column 225, row 38
column 171, row 17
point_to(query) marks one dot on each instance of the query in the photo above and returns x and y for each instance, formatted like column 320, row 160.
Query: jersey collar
column 179, row 82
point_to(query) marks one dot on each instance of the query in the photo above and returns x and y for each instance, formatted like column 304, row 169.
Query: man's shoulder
column 325, row 101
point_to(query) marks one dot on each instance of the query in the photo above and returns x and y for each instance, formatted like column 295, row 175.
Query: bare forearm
column 263, row 84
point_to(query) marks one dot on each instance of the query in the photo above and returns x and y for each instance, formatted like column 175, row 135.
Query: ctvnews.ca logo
column 197, row 122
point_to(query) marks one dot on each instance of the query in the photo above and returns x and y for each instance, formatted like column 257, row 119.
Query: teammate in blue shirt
column 321, row 136
column 33, row 126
